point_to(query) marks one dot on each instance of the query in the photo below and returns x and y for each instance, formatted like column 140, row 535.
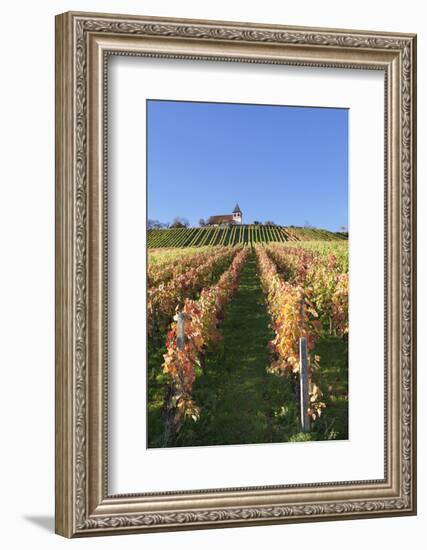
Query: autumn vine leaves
column 201, row 326
column 306, row 294
column 191, row 276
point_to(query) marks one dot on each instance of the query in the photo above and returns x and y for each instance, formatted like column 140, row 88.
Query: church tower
column 237, row 215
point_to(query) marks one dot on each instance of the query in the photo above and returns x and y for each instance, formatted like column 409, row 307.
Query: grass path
column 240, row 401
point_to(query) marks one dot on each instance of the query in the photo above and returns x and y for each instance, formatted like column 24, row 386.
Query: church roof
column 221, row 218
column 237, row 209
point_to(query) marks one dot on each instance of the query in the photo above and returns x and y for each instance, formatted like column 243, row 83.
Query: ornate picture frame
column 84, row 506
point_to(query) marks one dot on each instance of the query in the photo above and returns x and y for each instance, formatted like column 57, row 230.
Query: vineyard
column 236, row 235
column 225, row 326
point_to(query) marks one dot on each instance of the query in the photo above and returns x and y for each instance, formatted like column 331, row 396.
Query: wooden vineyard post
column 303, row 378
column 171, row 418
column 304, row 393
column 180, row 340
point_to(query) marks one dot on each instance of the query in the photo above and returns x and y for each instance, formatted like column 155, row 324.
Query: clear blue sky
column 284, row 164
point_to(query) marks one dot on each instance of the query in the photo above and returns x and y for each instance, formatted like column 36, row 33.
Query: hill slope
column 238, row 234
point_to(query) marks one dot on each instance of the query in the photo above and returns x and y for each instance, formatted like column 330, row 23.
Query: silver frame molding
column 83, row 43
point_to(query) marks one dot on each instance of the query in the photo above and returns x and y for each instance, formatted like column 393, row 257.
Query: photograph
column 247, row 278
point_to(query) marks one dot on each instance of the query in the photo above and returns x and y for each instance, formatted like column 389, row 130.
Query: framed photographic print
column 235, row 274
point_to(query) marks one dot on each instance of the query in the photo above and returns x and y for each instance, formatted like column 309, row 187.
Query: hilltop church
column 235, row 217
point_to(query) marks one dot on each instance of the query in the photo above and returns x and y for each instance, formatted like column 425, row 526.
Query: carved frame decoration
column 83, row 43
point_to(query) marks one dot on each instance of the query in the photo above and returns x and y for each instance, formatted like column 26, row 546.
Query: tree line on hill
column 180, row 222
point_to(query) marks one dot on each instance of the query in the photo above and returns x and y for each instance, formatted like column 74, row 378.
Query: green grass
column 332, row 378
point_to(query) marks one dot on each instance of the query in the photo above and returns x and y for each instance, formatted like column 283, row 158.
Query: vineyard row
column 306, row 293
column 237, row 234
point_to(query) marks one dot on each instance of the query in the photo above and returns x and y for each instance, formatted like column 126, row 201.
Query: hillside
column 237, row 234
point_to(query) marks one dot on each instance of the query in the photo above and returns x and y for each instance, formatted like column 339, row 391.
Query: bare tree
column 156, row 224
column 179, row 223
